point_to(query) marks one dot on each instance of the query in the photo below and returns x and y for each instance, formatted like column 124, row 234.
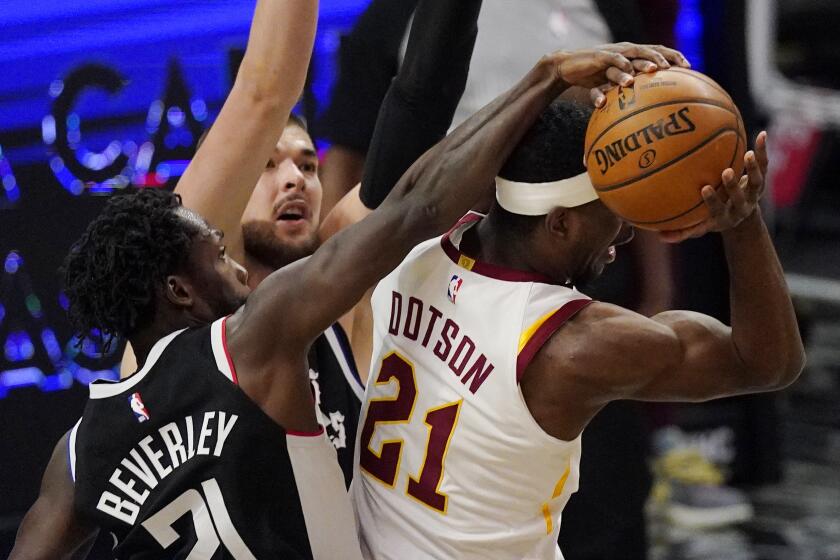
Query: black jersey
column 338, row 393
column 177, row 462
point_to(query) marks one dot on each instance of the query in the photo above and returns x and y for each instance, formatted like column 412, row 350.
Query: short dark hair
column 551, row 150
column 553, row 147
column 112, row 273
column 298, row 120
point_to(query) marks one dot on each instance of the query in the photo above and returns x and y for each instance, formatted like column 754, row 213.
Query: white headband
column 536, row 199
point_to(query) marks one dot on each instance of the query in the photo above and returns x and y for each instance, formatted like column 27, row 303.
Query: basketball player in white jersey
column 488, row 363
column 180, row 286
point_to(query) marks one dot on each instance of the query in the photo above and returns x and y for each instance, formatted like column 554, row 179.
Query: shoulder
column 611, row 348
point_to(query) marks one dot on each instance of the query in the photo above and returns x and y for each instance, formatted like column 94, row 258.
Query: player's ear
column 178, row 291
column 557, row 222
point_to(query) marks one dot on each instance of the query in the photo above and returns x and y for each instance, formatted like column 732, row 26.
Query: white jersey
column 449, row 461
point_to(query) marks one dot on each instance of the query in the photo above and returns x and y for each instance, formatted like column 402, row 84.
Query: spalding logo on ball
column 652, row 147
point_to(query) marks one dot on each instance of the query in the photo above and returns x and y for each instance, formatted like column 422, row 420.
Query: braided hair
column 112, row 274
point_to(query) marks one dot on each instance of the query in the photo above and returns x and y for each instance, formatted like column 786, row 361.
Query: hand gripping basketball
column 738, row 200
column 610, row 65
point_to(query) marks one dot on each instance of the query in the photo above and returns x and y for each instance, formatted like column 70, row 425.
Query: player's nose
column 293, row 178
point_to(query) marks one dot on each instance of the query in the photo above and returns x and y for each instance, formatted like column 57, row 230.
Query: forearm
column 279, row 46
column 765, row 334
column 423, row 97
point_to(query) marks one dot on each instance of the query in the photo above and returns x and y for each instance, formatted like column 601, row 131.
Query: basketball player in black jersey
column 281, row 222
column 213, row 449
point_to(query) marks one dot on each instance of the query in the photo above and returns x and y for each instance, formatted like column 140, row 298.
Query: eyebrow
column 309, row 152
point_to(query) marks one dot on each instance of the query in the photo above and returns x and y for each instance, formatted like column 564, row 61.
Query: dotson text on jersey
column 158, row 455
column 451, row 346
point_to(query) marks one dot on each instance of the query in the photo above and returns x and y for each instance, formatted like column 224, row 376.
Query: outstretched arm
column 763, row 349
column 422, row 99
column 219, row 180
column 443, row 184
column 221, row 177
column 51, row 529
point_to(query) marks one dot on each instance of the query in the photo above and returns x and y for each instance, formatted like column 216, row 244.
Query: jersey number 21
column 441, row 420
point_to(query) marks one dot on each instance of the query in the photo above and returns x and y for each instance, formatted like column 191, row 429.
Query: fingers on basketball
column 714, row 199
column 616, row 60
column 755, row 177
column 645, row 66
column 618, row 76
column 650, row 148
column 673, row 56
column 734, row 187
column 761, row 151
column 647, row 53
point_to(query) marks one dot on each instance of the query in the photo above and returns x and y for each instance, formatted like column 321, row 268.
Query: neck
column 490, row 242
column 143, row 340
column 484, row 242
column 257, row 271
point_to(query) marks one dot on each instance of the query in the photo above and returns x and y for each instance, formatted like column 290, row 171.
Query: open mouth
column 611, row 253
column 294, row 211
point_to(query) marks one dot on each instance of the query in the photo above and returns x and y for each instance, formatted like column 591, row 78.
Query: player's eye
column 270, row 164
column 308, row 168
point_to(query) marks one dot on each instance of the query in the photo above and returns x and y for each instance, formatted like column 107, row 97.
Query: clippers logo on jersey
column 138, row 408
column 454, row 287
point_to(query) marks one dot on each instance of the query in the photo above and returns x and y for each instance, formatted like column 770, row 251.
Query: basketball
column 652, row 147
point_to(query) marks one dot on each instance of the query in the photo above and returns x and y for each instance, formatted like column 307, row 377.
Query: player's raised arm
column 422, row 99
column 442, row 185
column 52, row 529
column 222, row 175
column 686, row 356
column 763, row 349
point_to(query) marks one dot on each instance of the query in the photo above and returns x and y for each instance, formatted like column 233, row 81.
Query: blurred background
column 103, row 95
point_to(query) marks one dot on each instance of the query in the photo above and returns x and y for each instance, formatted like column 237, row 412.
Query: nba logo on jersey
column 454, row 287
column 138, row 408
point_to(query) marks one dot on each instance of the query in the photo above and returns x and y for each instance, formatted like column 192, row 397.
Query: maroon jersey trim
column 227, row 354
column 544, row 332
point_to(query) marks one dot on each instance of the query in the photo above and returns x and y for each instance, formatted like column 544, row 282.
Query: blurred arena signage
column 173, row 123
column 118, row 92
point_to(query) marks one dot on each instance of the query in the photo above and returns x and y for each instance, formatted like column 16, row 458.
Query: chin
column 276, row 249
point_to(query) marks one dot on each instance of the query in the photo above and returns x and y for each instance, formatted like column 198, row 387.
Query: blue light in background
column 10, row 192
column 688, row 32
column 63, row 301
column 13, row 262
column 23, row 377
column 51, row 344
column 57, row 382
column 18, row 347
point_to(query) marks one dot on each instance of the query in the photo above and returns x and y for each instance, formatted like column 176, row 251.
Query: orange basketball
column 652, row 147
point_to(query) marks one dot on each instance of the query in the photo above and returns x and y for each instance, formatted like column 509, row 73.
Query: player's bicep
column 51, row 528
column 701, row 362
